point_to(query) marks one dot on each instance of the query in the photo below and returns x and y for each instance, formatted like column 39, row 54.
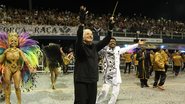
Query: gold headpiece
column 12, row 34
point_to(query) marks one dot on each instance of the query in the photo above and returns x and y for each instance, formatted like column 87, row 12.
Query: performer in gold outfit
column 16, row 54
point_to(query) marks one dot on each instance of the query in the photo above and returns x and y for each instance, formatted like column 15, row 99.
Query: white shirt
column 111, row 63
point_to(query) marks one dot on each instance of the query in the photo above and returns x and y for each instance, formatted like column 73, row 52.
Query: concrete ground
column 130, row 93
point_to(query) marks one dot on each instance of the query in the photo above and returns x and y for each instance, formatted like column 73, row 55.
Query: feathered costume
column 53, row 55
column 30, row 50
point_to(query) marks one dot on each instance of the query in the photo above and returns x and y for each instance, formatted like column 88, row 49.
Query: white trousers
column 104, row 92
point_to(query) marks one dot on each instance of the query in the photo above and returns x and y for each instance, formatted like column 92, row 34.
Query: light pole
column 30, row 4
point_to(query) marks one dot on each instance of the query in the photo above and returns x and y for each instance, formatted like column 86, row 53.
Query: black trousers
column 151, row 70
column 166, row 68
column 159, row 75
column 128, row 66
column 176, row 69
column 183, row 67
column 144, row 82
column 65, row 68
column 85, row 93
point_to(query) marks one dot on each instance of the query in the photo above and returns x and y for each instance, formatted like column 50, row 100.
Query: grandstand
column 58, row 23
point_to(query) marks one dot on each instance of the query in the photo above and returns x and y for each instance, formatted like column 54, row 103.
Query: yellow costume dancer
column 17, row 59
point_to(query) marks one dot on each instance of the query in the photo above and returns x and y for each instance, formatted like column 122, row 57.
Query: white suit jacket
column 117, row 51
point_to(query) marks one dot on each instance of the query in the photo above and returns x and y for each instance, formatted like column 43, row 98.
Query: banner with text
column 39, row 29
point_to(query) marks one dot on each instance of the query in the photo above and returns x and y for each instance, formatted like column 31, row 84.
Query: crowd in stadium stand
column 57, row 17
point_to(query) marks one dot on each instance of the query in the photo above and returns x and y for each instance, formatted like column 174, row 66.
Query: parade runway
column 130, row 92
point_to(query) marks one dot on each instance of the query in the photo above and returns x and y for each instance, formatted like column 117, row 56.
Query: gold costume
column 177, row 60
column 159, row 62
column 12, row 60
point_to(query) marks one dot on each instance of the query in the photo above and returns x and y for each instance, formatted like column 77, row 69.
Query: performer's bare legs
column 17, row 79
column 2, row 87
column 54, row 76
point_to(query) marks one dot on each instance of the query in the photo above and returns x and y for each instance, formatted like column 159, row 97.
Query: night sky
column 170, row 9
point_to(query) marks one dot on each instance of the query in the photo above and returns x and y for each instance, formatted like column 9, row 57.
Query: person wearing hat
column 144, row 64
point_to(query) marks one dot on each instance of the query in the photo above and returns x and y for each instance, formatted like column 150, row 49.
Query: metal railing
column 145, row 35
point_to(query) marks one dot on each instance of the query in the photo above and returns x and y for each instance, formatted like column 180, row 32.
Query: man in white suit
column 111, row 64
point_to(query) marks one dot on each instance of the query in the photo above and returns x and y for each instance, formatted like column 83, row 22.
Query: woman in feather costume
column 18, row 59
column 54, row 61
